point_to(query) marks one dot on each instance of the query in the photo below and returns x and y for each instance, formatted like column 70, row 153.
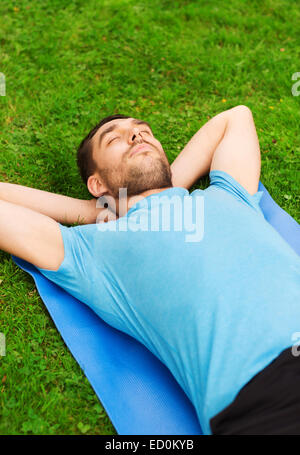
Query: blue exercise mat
column 138, row 392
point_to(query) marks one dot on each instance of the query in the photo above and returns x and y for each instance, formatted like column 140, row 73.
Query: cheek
column 160, row 148
column 114, row 155
column 158, row 145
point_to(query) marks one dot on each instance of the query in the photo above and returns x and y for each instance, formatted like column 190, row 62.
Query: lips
column 139, row 148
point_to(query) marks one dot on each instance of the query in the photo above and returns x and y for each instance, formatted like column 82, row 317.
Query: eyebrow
column 113, row 127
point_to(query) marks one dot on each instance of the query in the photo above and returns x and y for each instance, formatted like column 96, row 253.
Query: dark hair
column 85, row 162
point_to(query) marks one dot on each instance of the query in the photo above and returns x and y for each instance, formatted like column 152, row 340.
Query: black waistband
column 268, row 404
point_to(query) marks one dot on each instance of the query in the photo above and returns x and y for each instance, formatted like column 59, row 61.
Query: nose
column 136, row 135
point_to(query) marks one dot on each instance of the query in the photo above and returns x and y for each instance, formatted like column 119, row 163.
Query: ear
column 95, row 186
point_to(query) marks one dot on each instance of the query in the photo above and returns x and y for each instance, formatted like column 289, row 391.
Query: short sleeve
column 72, row 274
column 223, row 180
column 82, row 273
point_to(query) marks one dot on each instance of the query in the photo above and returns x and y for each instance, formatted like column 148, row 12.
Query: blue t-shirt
column 201, row 279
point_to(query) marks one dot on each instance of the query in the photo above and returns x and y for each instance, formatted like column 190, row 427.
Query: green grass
column 173, row 63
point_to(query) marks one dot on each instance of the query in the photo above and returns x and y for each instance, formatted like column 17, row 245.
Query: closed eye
column 112, row 139
column 117, row 137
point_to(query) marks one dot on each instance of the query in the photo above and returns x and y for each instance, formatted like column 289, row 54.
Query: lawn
column 173, row 63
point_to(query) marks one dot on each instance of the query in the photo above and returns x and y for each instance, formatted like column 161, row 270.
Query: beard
column 138, row 175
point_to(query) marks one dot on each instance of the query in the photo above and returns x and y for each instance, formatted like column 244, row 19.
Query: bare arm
column 31, row 236
column 63, row 209
column 238, row 153
column 194, row 160
column 226, row 142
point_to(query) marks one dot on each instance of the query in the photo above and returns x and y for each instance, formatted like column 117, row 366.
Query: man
column 219, row 312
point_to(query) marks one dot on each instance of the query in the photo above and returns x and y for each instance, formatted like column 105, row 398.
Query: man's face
column 120, row 162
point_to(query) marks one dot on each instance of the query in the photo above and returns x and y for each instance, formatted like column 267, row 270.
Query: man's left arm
column 195, row 159
column 227, row 142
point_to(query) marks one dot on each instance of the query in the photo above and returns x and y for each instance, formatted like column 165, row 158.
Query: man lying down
column 217, row 304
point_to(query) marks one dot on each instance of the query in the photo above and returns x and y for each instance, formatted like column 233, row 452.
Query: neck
column 124, row 206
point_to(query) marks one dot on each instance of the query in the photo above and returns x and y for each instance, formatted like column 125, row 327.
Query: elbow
column 242, row 109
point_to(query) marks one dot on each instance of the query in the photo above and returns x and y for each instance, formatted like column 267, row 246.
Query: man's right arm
column 63, row 209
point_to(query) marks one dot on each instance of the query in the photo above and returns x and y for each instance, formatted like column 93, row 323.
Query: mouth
column 140, row 148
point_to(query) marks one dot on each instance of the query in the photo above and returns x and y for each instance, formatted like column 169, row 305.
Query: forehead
column 122, row 123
